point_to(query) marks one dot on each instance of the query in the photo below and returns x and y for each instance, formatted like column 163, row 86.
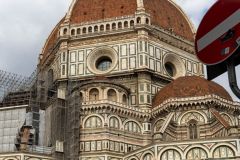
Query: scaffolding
column 14, row 91
column 65, row 120
column 73, row 121
column 38, row 94
column 12, row 83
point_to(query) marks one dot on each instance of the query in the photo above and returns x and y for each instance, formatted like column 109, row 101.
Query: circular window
column 102, row 60
column 103, row 63
column 170, row 68
column 174, row 66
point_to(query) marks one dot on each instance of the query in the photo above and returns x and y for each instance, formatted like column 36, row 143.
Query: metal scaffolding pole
column 11, row 82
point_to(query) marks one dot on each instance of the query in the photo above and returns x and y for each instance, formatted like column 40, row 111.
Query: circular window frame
column 172, row 69
column 99, row 53
column 103, row 60
column 177, row 63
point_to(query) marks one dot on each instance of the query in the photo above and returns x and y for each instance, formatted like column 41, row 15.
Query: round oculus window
column 103, row 63
column 102, row 60
column 174, row 66
column 170, row 68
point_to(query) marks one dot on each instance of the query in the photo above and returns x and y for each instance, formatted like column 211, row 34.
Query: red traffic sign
column 218, row 35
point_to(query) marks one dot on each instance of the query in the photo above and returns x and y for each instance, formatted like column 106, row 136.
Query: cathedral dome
column 168, row 15
column 50, row 43
column 189, row 86
column 163, row 13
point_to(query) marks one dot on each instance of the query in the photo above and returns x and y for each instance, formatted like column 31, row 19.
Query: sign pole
column 232, row 76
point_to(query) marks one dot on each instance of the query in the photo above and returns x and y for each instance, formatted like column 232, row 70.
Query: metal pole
column 232, row 76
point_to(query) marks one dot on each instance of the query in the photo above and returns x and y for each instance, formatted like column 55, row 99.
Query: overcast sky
column 26, row 24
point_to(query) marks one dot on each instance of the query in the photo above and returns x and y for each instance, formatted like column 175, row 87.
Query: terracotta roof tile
column 189, row 86
column 93, row 10
column 166, row 15
column 163, row 14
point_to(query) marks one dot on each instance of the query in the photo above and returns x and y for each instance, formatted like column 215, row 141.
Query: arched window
column 108, row 27
column 78, row 31
column 124, row 99
column 94, row 94
column 196, row 153
column 132, row 23
column 132, row 127
column 89, row 29
column 147, row 156
column 126, row 24
column 112, row 95
column 114, row 123
column 171, row 154
column 84, row 30
column 119, row 25
column 81, row 97
column 147, row 21
column 138, row 20
column 65, row 31
column 223, row 152
column 193, row 130
column 114, row 26
column 95, row 28
column 192, row 115
column 73, row 32
column 93, row 122
column 102, row 28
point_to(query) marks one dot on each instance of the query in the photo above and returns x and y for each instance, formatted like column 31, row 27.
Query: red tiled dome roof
column 86, row 10
column 163, row 13
column 190, row 86
column 166, row 14
column 50, row 43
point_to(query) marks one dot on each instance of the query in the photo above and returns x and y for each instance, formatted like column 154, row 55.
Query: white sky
column 26, row 24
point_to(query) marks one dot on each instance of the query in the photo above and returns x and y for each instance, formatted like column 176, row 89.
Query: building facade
column 119, row 80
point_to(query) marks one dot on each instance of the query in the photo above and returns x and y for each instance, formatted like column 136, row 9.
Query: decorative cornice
column 174, row 103
column 166, row 107
column 115, row 107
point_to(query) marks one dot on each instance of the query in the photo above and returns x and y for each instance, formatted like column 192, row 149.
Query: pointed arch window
column 193, row 130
